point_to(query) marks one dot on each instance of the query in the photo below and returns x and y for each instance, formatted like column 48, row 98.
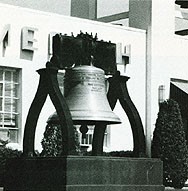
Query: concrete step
column 173, row 189
column 114, row 188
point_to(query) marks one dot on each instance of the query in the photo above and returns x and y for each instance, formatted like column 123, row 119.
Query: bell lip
column 90, row 120
column 93, row 122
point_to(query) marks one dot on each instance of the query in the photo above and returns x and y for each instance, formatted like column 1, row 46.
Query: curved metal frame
column 48, row 84
column 118, row 90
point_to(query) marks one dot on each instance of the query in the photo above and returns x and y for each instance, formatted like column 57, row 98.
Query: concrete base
column 74, row 173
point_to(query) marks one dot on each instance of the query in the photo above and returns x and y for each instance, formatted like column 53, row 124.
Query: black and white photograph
column 94, row 95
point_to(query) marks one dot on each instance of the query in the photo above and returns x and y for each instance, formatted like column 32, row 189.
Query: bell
column 85, row 94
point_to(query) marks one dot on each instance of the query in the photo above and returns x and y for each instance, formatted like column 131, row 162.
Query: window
column 9, row 82
column 87, row 141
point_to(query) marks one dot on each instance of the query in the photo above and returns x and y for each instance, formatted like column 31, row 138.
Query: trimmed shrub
column 121, row 154
column 52, row 141
column 113, row 154
column 169, row 144
column 6, row 153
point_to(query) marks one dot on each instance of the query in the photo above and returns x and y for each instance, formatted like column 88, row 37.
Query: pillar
column 158, row 19
column 84, row 9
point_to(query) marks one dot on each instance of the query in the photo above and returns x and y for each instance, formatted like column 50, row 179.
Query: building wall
column 111, row 7
column 58, row 6
column 44, row 24
column 158, row 19
column 78, row 8
column 167, row 54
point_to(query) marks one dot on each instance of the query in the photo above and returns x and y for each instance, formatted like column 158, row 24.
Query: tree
column 169, row 144
column 52, row 141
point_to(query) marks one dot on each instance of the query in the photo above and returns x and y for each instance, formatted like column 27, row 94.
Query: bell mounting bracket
column 69, row 51
column 48, row 85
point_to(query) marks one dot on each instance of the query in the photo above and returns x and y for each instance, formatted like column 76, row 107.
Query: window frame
column 12, row 83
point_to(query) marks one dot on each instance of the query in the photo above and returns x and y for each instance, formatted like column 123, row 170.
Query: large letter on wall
column 28, row 38
column 4, row 39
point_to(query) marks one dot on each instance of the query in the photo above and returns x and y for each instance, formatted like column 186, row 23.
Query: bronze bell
column 85, row 94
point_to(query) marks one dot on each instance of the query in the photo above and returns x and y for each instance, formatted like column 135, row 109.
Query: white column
column 157, row 18
column 84, row 9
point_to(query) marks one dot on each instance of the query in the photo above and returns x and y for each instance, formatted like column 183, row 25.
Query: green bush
column 121, row 154
column 52, row 141
column 113, row 154
column 6, row 153
column 169, row 144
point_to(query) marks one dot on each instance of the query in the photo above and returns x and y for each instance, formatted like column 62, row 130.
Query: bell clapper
column 84, row 129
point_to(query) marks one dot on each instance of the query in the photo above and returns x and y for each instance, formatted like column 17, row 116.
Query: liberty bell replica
column 85, row 94
column 84, row 80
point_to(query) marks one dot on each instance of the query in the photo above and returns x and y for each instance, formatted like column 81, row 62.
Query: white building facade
column 156, row 55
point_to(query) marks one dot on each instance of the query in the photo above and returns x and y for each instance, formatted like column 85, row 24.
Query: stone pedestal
column 74, row 173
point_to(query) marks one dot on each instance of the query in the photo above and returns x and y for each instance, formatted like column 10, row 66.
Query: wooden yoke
column 48, row 85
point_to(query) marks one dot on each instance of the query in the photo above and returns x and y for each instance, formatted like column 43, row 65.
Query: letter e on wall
column 27, row 42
